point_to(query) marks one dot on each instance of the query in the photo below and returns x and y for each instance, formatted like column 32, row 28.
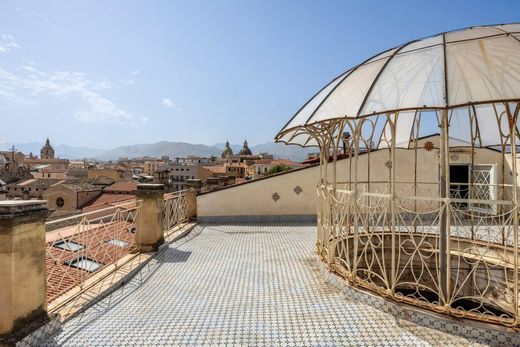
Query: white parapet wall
column 287, row 194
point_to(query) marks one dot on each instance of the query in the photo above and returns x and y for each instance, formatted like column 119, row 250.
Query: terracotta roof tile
column 106, row 200
column 128, row 186
column 62, row 277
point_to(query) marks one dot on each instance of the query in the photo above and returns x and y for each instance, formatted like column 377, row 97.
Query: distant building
column 117, row 173
column 245, row 149
column 31, row 188
column 179, row 174
column 162, row 176
column 194, row 160
column 69, row 198
column 245, row 155
column 77, row 164
column 236, row 170
column 46, row 171
column 47, row 151
column 227, row 152
column 77, row 173
column 46, row 158
column 150, row 166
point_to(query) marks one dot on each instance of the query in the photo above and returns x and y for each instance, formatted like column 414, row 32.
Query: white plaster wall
column 255, row 198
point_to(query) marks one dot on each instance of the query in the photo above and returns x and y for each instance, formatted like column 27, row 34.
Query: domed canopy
column 473, row 66
column 245, row 150
column 227, row 151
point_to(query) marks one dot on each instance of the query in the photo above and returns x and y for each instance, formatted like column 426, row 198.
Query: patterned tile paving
column 248, row 219
column 240, row 285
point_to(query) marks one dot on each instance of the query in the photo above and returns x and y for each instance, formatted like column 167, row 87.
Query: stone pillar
column 191, row 209
column 23, row 286
column 150, row 230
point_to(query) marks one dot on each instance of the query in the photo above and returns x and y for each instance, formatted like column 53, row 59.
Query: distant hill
column 278, row 150
column 172, row 149
column 283, row 151
column 62, row 151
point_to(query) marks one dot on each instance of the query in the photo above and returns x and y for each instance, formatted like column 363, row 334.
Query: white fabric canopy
column 473, row 66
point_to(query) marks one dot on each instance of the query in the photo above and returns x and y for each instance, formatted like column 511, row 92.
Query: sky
column 107, row 73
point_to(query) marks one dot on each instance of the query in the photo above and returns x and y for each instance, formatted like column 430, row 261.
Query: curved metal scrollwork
column 432, row 222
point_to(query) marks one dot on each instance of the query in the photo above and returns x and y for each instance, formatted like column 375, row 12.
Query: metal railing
column 80, row 246
column 175, row 209
column 390, row 244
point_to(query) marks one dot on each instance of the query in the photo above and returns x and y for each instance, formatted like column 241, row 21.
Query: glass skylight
column 84, row 263
column 69, row 245
column 119, row 243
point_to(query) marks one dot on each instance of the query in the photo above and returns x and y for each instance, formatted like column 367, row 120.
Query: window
column 60, row 202
column 118, row 243
column 69, row 245
column 84, row 263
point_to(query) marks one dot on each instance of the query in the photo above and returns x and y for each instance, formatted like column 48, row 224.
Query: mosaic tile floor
column 244, row 285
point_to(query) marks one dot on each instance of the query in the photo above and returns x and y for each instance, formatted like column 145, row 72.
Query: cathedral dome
column 245, row 150
column 47, row 152
column 227, row 151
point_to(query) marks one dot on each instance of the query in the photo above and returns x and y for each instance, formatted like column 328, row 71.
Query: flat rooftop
column 239, row 285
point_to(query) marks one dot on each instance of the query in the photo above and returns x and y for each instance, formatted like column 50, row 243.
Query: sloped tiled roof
column 61, row 276
column 100, row 180
column 37, row 183
column 126, row 186
column 82, row 187
column 106, row 200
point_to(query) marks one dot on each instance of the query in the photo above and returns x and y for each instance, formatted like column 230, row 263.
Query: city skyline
column 104, row 75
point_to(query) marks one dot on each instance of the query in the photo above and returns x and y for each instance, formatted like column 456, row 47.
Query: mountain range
column 158, row 149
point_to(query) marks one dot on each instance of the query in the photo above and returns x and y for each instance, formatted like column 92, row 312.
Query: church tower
column 47, row 152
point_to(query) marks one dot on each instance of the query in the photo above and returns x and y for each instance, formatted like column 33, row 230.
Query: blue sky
column 108, row 73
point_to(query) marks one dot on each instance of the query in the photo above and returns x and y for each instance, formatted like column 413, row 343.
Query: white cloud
column 30, row 83
column 170, row 104
column 100, row 109
column 136, row 72
column 7, row 43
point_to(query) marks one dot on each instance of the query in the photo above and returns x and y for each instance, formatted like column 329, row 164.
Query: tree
column 278, row 168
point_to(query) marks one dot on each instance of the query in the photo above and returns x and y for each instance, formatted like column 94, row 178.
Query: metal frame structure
column 446, row 246
column 175, row 209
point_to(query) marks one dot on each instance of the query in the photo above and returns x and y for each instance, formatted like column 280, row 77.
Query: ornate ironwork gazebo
column 418, row 189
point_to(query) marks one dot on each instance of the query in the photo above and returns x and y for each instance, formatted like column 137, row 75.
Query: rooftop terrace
column 241, row 285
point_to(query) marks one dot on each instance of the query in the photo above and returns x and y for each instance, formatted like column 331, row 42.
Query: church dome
column 47, row 152
column 245, row 150
column 227, row 151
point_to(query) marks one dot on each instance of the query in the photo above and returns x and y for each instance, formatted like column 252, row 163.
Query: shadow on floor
column 106, row 302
